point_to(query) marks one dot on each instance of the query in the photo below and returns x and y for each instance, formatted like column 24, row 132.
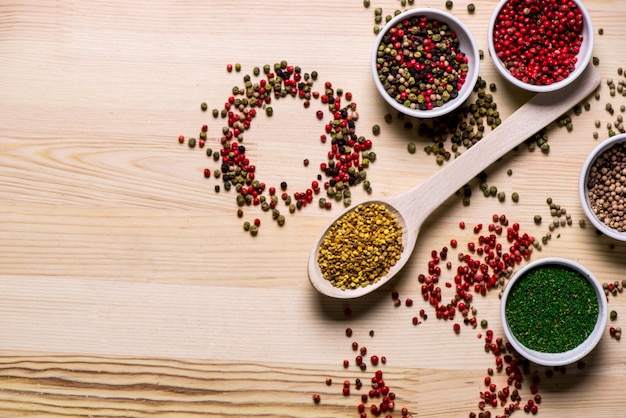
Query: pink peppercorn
column 537, row 41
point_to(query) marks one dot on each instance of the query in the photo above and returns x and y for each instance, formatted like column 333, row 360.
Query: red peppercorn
column 207, row 173
column 181, row 139
column 316, row 398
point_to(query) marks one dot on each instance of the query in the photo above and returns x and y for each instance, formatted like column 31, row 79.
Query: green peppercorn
column 449, row 4
column 411, row 147
column 501, row 196
column 613, row 315
column 515, row 197
column 471, row 8
column 269, row 111
column 366, row 3
column 509, row 172
column 246, row 226
column 376, row 130
column 388, row 118
column 595, row 61
column 191, row 142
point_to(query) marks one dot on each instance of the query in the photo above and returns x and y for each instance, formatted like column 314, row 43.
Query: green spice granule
column 360, row 247
column 552, row 309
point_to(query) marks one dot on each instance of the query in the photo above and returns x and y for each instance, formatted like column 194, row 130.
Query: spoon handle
column 538, row 112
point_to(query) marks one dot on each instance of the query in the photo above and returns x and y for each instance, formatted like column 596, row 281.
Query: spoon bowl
column 414, row 206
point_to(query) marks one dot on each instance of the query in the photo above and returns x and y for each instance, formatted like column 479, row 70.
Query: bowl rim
column 583, row 189
column 584, row 56
column 465, row 37
column 570, row 356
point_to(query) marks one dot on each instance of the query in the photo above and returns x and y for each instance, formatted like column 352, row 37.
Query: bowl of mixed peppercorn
column 553, row 312
column 602, row 187
column 540, row 45
column 425, row 62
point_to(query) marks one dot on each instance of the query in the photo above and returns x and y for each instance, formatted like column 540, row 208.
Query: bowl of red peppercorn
column 602, row 187
column 540, row 45
column 425, row 62
column 553, row 311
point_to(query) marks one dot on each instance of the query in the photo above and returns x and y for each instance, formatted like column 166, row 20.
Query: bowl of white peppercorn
column 602, row 187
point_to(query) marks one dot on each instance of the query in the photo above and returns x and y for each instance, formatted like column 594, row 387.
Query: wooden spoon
column 414, row 206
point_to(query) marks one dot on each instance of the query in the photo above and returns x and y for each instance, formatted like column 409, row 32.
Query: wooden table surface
column 128, row 287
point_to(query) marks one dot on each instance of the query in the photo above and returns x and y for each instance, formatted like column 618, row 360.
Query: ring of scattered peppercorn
column 347, row 158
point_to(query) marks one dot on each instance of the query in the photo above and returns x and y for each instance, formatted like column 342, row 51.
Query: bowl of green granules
column 553, row 312
column 425, row 62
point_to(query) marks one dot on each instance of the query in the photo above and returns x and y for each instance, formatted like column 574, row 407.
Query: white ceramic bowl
column 567, row 357
column 467, row 45
column 584, row 55
column 583, row 188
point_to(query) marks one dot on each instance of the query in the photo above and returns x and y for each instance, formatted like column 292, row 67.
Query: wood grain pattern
column 127, row 286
